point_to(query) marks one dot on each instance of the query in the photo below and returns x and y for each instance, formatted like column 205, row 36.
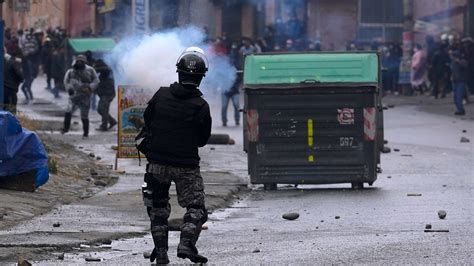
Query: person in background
column 106, row 92
column 459, row 77
column 219, row 48
column 79, row 81
column 47, row 57
column 418, row 69
column 13, row 77
column 91, row 62
column 234, row 95
column 29, row 47
column 468, row 49
column 440, row 67
column 58, row 70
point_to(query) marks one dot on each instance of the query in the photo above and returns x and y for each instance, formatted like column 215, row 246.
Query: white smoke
column 150, row 61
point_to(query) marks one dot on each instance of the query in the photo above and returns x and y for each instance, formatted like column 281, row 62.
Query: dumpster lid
column 297, row 68
column 80, row 45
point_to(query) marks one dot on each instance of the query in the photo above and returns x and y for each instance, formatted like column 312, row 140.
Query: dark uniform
column 177, row 122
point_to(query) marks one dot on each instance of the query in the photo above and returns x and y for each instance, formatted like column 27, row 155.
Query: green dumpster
column 313, row 118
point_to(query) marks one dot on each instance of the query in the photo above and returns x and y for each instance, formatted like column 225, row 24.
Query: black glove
column 70, row 92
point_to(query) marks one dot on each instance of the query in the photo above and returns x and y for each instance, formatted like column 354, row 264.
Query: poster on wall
column 132, row 102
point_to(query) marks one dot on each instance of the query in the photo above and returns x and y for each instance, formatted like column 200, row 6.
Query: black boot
column 112, row 122
column 67, row 122
column 187, row 250
column 160, row 255
column 187, row 246
column 160, row 239
column 85, row 127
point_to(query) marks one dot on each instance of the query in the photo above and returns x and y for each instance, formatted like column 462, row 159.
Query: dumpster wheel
column 357, row 185
column 270, row 186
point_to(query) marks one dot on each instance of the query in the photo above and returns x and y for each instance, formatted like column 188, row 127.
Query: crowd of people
column 28, row 52
column 437, row 68
column 39, row 50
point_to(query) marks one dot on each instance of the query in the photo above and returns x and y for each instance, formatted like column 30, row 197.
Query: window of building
column 380, row 19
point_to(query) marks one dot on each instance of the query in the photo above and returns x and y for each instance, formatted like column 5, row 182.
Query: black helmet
column 192, row 61
column 192, row 66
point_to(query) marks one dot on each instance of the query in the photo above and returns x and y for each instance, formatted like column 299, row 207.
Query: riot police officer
column 177, row 122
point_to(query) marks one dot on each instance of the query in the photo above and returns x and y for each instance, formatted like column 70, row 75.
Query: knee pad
column 195, row 215
column 159, row 216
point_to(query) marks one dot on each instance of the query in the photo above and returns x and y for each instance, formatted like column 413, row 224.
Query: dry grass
column 27, row 123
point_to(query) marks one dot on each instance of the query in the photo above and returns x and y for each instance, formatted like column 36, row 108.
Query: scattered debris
column 291, row 216
column 390, row 105
column 414, row 194
column 91, row 155
column 407, row 155
column 386, row 149
column 114, row 147
column 464, row 140
column 95, row 259
column 337, row 217
column 204, row 227
column 107, row 241
column 389, row 176
column 134, row 253
column 94, row 172
column 146, row 255
column 428, row 226
column 80, row 147
column 109, row 193
column 23, row 262
column 61, row 256
column 317, row 227
column 397, row 150
column 385, row 141
column 464, row 131
column 98, row 158
column 100, row 183
column 436, row 231
column 213, row 149
column 444, row 185
column 84, row 246
column 442, row 214
column 256, row 250
column 322, row 221
column 1, row 216
column 56, row 225
column 255, row 230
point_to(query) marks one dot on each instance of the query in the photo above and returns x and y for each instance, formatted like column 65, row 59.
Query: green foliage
column 52, row 166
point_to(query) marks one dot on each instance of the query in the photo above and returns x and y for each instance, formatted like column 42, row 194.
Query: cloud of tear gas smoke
column 150, row 61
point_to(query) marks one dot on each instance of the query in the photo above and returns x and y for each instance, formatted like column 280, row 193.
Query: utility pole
column 408, row 38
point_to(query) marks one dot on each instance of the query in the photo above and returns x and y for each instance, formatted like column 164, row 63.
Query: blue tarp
column 21, row 150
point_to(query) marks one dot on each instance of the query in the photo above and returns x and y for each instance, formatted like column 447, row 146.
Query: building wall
column 42, row 14
column 332, row 22
column 81, row 16
column 423, row 8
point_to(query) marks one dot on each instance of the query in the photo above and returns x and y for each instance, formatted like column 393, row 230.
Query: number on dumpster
column 346, row 141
